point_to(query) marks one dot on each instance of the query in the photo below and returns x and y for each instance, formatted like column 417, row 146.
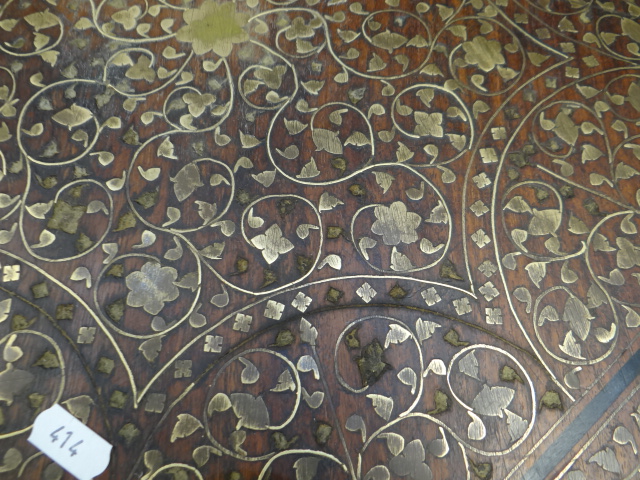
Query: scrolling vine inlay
column 363, row 240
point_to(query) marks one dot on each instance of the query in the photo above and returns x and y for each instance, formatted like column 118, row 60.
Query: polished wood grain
column 323, row 239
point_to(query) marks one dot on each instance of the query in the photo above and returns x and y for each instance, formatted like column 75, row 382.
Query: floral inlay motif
column 151, row 287
column 213, row 27
column 396, row 224
column 272, row 243
column 486, row 54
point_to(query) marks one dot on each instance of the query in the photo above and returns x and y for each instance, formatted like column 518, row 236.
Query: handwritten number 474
column 69, row 434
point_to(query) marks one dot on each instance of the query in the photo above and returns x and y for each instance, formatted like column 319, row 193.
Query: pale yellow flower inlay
column 213, row 27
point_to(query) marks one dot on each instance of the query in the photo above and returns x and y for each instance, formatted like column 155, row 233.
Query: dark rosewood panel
column 323, row 239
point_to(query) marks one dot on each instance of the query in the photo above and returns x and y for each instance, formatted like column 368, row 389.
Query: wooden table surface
column 323, row 239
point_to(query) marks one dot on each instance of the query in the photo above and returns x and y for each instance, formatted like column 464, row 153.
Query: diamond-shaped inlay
column 480, row 238
column 155, row 402
column 481, row 180
column 462, row 306
column 498, row 133
column 86, row 335
column 183, row 369
column 489, row 155
column 242, row 322
column 430, row 296
column 488, row 268
column 493, row 316
column 273, row 310
column 572, row 72
column 591, row 61
column 366, row 292
column 479, row 208
column 213, row 343
column 301, row 302
column 11, row 273
column 489, row 291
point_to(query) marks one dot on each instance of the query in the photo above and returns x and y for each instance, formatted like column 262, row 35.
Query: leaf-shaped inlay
column 72, row 117
column 186, row 425
column 492, row 401
column 578, row 317
column 251, row 411
column 250, row 373
column 327, row 140
column 186, row 181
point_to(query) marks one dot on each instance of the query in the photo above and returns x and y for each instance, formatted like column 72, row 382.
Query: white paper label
column 70, row 443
